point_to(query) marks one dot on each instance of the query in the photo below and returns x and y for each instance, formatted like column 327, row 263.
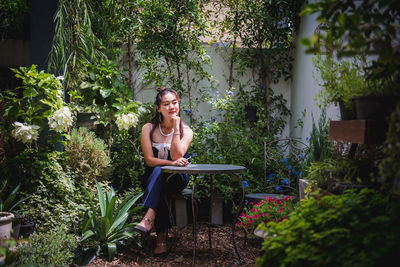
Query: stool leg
column 194, row 220
column 180, row 211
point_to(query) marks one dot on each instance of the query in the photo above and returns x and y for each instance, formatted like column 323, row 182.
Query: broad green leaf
column 118, row 221
column 30, row 92
column 102, row 201
column 87, row 234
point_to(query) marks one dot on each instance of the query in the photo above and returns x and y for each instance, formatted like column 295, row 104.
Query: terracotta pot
column 5, row 224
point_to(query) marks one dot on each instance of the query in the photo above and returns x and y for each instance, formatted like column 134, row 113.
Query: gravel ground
column 180, row 247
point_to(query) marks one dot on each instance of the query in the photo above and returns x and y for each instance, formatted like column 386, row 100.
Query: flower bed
column 267, row 210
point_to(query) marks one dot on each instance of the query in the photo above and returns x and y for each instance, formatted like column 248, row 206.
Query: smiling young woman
column 165, row 141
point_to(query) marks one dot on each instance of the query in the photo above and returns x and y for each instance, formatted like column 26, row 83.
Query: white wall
column 220, row 71
column 304, row 87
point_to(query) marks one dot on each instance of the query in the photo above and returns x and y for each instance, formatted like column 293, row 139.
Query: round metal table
column 210, row 169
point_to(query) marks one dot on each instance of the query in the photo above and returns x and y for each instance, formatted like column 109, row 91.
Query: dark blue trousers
column 158, row 191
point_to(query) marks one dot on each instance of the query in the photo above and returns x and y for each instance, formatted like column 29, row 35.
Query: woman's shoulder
column 186, row 128
column 147, row 127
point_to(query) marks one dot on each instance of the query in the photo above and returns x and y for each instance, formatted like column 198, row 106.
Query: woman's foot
column 145, row 226
column 161, row 250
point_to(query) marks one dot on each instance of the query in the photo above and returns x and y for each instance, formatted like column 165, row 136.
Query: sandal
column 143, row 230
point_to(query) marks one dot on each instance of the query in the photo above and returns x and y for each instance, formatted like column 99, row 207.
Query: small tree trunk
column 130, row 71
column 189, row 88
column 266, row 81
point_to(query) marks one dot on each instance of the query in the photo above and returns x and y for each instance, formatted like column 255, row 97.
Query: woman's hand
column 180, row 162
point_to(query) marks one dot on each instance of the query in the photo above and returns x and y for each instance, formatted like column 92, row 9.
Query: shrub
column 352, row 229
column 50, row 248
column 54, row 195
column 86, row 155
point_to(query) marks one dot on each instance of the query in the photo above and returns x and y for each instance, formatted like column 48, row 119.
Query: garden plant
column 268, row 210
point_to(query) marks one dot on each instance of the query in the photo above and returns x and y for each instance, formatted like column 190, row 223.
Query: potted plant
column 350, row 30
column 8, row 205
column 341, row 80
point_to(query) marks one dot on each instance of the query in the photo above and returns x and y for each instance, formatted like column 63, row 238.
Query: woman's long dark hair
column 158, row 117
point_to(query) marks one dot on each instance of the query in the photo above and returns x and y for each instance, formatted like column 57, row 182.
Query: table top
column 204, row 169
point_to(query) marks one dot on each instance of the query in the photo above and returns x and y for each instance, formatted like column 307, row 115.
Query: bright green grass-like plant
column 109, row 226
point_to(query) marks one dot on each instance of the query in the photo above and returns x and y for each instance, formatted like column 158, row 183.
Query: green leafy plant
column 341, row 80
column 228, row 138
column 86, row 155
column 53, row 191
column 29, row 105
column 15, row 19
column 7, row 249
column 352, row 229
column 321, row 147
column 10, row 203
column 108, row 227
column 50, row 248
column 267, row 210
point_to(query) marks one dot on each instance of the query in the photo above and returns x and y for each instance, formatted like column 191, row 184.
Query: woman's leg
column 161, row 244
column 152, row 198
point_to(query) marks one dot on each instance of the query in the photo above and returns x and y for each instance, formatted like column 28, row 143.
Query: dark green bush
column 48, row 249
column 352, row 229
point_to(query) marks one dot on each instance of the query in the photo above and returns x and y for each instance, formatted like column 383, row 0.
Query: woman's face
column 169, row 106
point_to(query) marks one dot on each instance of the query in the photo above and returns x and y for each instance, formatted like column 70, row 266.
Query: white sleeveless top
column 163, row 148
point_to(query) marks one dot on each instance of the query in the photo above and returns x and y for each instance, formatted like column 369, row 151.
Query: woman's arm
column 179, row 145
column 147, row 150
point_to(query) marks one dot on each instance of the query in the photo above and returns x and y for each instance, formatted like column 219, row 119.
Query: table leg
column 194, row 219
column 237, row 216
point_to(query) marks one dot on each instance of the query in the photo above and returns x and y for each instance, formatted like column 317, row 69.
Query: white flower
column 24, row 132
column 61, row 119
column 141, row 110
column 126, row 121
